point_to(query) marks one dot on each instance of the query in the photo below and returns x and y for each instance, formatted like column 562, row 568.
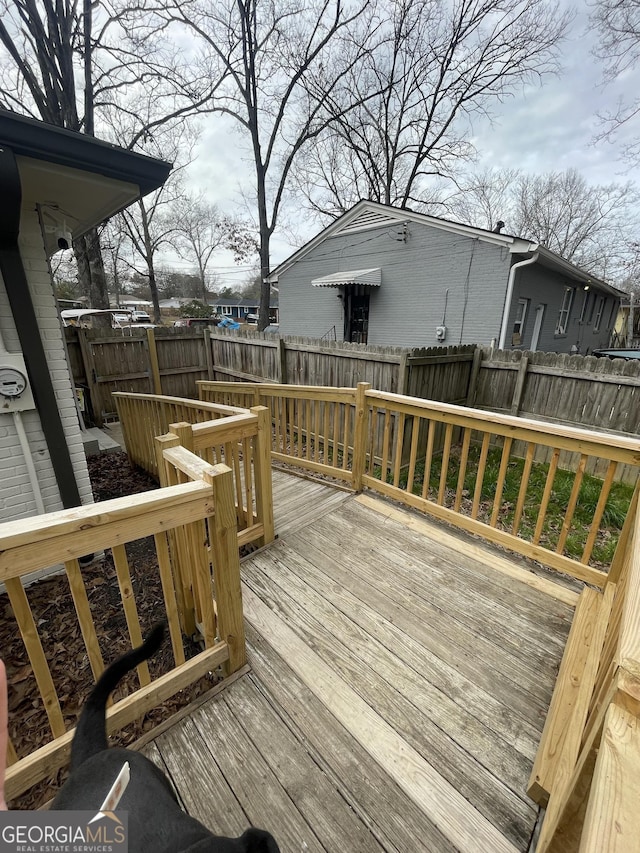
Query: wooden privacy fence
column 578, row 390
column 192, row 525
column 587, row 768
column 237, row 437
column 155, row 361
column 471, row 468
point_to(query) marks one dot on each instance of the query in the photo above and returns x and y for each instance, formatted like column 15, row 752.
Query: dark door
column 356, row 314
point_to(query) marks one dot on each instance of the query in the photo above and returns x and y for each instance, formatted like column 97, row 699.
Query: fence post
column 208, row 354
column 403, row 374
column 153, row 362
column 360, row 436
column 262, row 473
column 282, row 362
column 518, row 391
column 473, row 378
column 226, row 566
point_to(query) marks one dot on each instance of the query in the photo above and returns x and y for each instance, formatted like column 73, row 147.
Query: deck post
column 262, row 473
column 184, row 432
column 223, row 531
column 360, row 436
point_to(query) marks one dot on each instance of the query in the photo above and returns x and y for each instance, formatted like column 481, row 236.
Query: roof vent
column 370, row 219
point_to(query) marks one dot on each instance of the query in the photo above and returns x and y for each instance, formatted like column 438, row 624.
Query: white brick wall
column 16, row 493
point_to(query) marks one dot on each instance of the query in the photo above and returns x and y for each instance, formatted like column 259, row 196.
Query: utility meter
column 12, row 382
column 15, row 391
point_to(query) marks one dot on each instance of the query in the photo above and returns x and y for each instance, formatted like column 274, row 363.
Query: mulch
column 52, row 606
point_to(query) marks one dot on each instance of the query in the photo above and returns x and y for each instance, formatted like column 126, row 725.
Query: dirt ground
column 52, row 606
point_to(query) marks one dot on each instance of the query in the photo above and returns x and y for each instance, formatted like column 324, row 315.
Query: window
column 565, row 311
column 226, row 309
column 613, row 314
column 599, row 312
column 585, row 303
column 519, row 323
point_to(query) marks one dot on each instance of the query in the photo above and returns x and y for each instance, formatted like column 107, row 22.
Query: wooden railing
column 471, row 468
column 144, row 416
column 193, row 524
column 234, row 436
column 312, row 428
column 588, row 764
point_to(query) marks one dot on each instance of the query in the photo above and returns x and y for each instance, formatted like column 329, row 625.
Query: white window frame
column 521, row 319
column 601, row 302
column 226, row 309
column 583, row 310
column 565, row 311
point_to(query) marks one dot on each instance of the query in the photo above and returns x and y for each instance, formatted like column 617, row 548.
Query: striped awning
column 370, row 278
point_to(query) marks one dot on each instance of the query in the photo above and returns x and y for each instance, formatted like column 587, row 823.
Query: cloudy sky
column 548, row 126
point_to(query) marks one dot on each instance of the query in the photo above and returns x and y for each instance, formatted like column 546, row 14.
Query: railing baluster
column 546, row 495
column 37, row 658
column 526, row 473
column 428, row 457
column 599, row 512
column 444, row 468
column 482, row 464
column 502, row 473
column 385, row 445
column 413, row 454
column 85, row 619
column 464, row 457
column 121, row 563
column 573, row 500
column 398, row 448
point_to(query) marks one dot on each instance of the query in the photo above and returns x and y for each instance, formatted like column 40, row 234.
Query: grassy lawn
column 612, row 521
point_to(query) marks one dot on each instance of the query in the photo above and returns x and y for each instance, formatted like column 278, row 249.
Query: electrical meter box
column 15, row 390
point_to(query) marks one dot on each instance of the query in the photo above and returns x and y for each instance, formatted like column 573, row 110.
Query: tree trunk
column 91, row 275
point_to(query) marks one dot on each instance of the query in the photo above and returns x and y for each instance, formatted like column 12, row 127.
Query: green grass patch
column 590, row 490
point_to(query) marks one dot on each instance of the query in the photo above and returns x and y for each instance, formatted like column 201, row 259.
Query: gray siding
column 435, row 274
column 541, row 286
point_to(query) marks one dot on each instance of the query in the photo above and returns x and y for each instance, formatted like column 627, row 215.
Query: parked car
column 196, row 321
column 140, row 316
column 121, row 317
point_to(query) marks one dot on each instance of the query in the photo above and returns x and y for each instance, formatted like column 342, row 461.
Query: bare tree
column 593, row 226
column 75, row 65
column 617, row 23
column 441, row 64
column 280, row 63
column 484, row 198
column 201, row 231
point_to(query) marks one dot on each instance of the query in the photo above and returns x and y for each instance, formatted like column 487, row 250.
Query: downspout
column 17, row 287
column 507, row 301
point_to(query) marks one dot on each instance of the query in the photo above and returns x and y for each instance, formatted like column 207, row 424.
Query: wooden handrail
column 177, row 516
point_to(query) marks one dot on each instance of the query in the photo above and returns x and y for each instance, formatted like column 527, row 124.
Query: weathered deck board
column 397, row 692
column 298, row 501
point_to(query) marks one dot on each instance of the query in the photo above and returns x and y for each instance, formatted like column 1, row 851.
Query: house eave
column 514, row 245
column 37, row 140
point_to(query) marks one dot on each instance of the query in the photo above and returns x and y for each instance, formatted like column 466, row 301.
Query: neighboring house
column 54, row 186
column 390, row 277
column 238, row 307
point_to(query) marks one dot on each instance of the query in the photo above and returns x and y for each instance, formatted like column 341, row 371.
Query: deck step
column 564, row 726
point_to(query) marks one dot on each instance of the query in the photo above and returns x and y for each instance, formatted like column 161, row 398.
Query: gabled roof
column 367, row 215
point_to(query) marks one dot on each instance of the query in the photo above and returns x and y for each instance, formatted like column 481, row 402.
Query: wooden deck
column 400, row 676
